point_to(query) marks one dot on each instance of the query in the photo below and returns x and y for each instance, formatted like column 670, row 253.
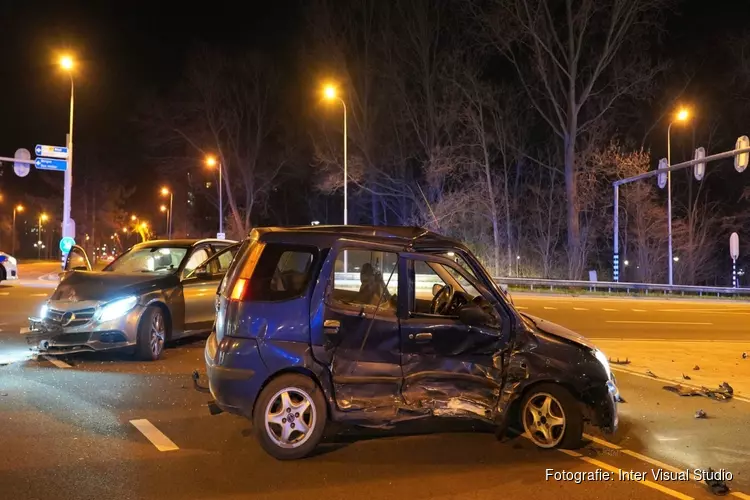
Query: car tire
column 152, row 334
column 276, row 423
column 551, row 417
column 3, row 276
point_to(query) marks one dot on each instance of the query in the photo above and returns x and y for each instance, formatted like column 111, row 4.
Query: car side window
column 283, row 272
column 366, row 279
column 197, row 258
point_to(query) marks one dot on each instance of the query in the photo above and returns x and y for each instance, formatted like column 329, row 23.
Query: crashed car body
column 8, row 267
column 376, row 325
column 154, row 292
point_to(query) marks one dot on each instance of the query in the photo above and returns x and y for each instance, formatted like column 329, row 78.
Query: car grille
column 70, row 319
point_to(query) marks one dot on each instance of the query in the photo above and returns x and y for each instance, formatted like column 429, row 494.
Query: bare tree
column 572, row 59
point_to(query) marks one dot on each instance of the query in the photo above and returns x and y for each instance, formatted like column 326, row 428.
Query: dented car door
column 449, row 366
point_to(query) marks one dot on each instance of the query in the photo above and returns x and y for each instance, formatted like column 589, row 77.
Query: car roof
column 407, row 237
column 180, row 243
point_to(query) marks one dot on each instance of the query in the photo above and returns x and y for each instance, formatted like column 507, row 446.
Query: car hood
column 555, row 330
column 102, row 286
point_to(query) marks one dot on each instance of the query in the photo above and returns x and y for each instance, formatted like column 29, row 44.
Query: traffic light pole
column 646, row 175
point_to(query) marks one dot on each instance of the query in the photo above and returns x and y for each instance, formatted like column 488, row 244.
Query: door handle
column 420, row 336
column 331, row 326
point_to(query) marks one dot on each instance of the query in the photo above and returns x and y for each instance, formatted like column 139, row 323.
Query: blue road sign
column 51, row 151
column 66, row 244
column 51, row 164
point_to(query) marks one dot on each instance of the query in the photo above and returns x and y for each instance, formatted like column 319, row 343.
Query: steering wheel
column 442, row 299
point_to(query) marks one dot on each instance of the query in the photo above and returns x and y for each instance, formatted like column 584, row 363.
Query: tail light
column 240, row 290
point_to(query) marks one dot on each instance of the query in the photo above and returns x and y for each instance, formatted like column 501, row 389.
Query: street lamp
column 42, row 218
column 67, row 64
column 681, row 116
column 330, row 94
column 143, row 226
column 16, row 209
column 164, row 192
column 212, row 162
column 165, row 210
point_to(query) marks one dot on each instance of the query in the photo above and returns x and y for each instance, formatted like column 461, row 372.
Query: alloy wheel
column 544, row 420
column 290, row 417
column 157, row 333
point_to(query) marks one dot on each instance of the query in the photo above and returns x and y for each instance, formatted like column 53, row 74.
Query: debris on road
column 196, row 383
column 650, row 373
column 723, row 393
column 744, row 355
column 696, row 368
column 686, row 377
column 618, row 362
column 718, row 487
column 700, row 414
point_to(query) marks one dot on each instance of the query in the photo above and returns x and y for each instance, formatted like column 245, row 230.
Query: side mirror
column 475, row 316
column 436, row 288
column 202, row 273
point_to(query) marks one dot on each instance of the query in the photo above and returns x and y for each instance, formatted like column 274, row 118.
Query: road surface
column 104, row 426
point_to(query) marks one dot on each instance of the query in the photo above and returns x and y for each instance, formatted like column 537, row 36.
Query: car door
column 449, row 366
column 77, row 260
column 199, row 287
column 361, row 328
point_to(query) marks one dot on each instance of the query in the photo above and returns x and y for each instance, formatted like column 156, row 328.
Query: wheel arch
column 291, row 370
column 168, row 322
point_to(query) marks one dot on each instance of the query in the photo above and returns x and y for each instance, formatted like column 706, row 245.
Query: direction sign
column 661, row 179
column 51, row 164
column 51, row 151
column 66, row 244
column 734, row 246
column 22, row 169
column 221, row 236
column 741, row 160
column 699, row 170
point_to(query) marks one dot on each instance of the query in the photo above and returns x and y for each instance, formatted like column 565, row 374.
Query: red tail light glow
column 240, row 289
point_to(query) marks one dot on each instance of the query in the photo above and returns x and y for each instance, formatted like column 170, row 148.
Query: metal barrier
column 611, row 286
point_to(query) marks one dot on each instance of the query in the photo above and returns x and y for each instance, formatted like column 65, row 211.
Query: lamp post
column 16, row 209
column 212, row 162
column 164, row 192
column 42, row 218
column 330, row 93
column 681, row 116
column 66, row 62
column 164, row 209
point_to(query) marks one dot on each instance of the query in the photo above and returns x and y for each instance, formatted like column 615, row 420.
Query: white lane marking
column 4, row 293
column 522, row 308
column 668, row 381
column 644, row 482
column 657, row 322
column 38, row 295
column 580, row 309
column 57, row 362
column 550, row 308
column 638, row 310
column 651, row 461
column 157, row 437
column 609, row 310
column 739, row 494
column 602, row 442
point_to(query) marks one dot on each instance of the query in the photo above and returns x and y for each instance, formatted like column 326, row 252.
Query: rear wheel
column 290, row 417
column 552, row 417
column 152, row 332
column 3, row 276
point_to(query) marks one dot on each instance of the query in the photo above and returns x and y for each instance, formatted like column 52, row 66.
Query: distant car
column 8, row 267
column 419, row 330
column 154, row 292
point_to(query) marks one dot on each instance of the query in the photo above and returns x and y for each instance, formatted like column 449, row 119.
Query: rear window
column 282, row 272
column 237, row 264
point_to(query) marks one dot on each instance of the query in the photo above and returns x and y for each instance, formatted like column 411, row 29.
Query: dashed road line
column 580, row 309
column 609, row 310
column 550, row 308
column 657, row 322
column 521, row 308
column 4, row 293
column 157, row 437
column 638, row 310
column 38, row 294
column 57, row 362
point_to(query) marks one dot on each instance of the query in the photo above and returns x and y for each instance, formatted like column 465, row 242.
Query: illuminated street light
column 330, row 93
column 681, row 116
column 17, row 209
column 164, row 192
column 133, row 218
column 42, row 218
column 68, row 229
column 212, row 162
column 66, row 62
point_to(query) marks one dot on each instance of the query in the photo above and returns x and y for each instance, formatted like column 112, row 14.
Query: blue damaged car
column 373, row 326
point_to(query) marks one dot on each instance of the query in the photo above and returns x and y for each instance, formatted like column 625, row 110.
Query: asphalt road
column 67, row 431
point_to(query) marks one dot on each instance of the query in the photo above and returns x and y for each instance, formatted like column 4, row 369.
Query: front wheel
column 552, row 417
column 290, row 417
column 152, row 332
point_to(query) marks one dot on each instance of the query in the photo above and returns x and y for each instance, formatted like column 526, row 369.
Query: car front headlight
column 43, row 311
column 599, row 355
column 117, row 308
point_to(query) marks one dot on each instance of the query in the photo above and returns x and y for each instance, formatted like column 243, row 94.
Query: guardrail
column 611, row 286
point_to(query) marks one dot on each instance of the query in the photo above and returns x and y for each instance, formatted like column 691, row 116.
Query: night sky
column 127, row 51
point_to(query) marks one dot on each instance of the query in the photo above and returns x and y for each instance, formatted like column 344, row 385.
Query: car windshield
column 149, row 260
